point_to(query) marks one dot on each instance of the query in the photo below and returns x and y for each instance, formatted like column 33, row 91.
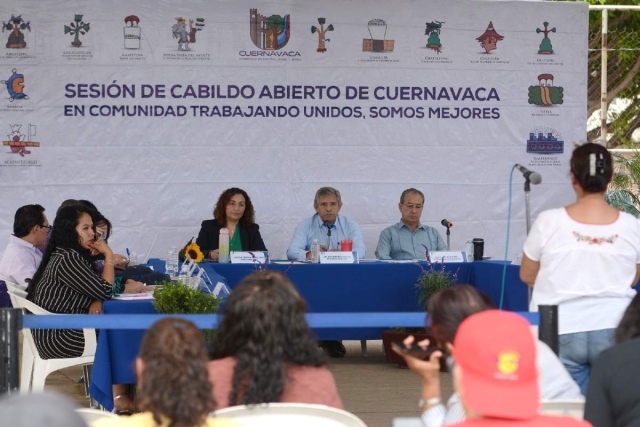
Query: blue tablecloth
column 365, row 287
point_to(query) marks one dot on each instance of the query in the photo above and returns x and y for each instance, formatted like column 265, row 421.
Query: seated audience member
column 326, row 226
column 233, row 211
column 21, row 258
column 408, row 238
column 121, row 284
column 613, row 398
column 495, row 373
column 172, row 353
column 65, row 283
column 264, row 350
column 447, row 310
column 39, row 410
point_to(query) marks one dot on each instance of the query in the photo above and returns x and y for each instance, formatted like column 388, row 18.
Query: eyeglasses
column 99, row 235
column 48, row 227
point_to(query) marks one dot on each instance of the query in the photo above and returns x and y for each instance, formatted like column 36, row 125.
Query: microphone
column 446, row 223
column 533, row 177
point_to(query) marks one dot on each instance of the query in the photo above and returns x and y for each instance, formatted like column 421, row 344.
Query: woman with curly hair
column 233, row 211
column 172, row 391
column 264, row 350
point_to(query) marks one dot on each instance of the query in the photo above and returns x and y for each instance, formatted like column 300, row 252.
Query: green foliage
column 313, row 29
column 432, row 281
column 623, row 190
column 178, row 298
column 321, row 21
column 330, row 27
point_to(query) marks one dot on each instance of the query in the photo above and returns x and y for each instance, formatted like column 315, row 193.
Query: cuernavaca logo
column 545, row 140
column 546, row 93
column 489, row 39
column 16, row 37
column 322, row 48
column 132, row 32
column 16, row 140
column 184, row 34
column 433, row 31
column 77, row 27
column 15, row 86
column 545, row 44
column 269, row 33
column 378, row 41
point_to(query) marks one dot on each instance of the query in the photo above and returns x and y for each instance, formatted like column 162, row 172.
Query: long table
column 350, row 288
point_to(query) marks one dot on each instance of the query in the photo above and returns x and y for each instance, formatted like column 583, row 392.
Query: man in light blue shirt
column 326, row 226
column 405, row 239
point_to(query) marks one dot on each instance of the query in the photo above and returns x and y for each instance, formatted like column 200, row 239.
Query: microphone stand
column 527, row 209
column 527, row 203
column 448, row 238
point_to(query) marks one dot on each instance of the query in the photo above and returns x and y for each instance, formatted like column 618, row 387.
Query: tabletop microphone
column 446, row 223
column 533, row 177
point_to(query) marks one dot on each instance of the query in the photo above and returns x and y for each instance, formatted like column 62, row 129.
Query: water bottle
column 315, row 251
column 172, row 263
column 223, row 246
column 184, row 274
column 469, row 250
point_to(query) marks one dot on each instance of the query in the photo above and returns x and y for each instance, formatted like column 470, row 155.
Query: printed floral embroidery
column 595, row 240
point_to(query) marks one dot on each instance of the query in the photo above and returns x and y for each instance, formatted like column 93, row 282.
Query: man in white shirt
column 21, row 258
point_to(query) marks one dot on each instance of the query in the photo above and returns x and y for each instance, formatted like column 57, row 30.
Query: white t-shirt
column 585, row 269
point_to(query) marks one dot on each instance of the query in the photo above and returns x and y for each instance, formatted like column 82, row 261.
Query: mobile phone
column 415, row 350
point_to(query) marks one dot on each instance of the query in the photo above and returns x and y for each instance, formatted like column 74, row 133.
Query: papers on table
column 133, row 297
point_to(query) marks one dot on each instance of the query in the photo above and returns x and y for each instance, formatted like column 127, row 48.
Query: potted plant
column 431, row 280
column 178, row 298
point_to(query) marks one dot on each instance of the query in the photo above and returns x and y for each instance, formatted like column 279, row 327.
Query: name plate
column 448, row 256
column 253, row 257
column 338, row 257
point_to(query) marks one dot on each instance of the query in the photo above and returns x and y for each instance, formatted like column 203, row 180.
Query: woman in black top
column 613, row 396
column 66, row 283
column 233, row 211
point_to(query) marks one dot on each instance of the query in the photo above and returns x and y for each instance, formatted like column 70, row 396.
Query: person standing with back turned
column 585, row 258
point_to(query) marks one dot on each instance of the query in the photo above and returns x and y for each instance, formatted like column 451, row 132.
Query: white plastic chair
column 35, row 370
column 290, row 415
column 13, row 288
column 407, row 422
column 572, row 408
column 89, row 415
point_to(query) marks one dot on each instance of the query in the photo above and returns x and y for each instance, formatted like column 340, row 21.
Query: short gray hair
column 327, row 191
column 411, row 191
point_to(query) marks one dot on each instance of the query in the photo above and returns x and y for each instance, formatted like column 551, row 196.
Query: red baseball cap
column 497, row 353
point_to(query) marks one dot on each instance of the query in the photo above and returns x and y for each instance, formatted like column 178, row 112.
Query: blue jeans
column 579, row 351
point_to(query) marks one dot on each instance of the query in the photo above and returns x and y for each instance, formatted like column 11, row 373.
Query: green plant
column 623, row 190
column 433, row 280
column 178, row 298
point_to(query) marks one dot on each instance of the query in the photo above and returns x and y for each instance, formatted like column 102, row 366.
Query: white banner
column 150, row 109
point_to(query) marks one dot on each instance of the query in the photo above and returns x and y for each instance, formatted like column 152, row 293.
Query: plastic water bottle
column 315, row 251
column 223, row 246
column 469, row 250
column 184, row 274
column 172, row 263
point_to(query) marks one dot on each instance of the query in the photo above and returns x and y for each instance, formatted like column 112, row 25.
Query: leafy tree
column 623, row 68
